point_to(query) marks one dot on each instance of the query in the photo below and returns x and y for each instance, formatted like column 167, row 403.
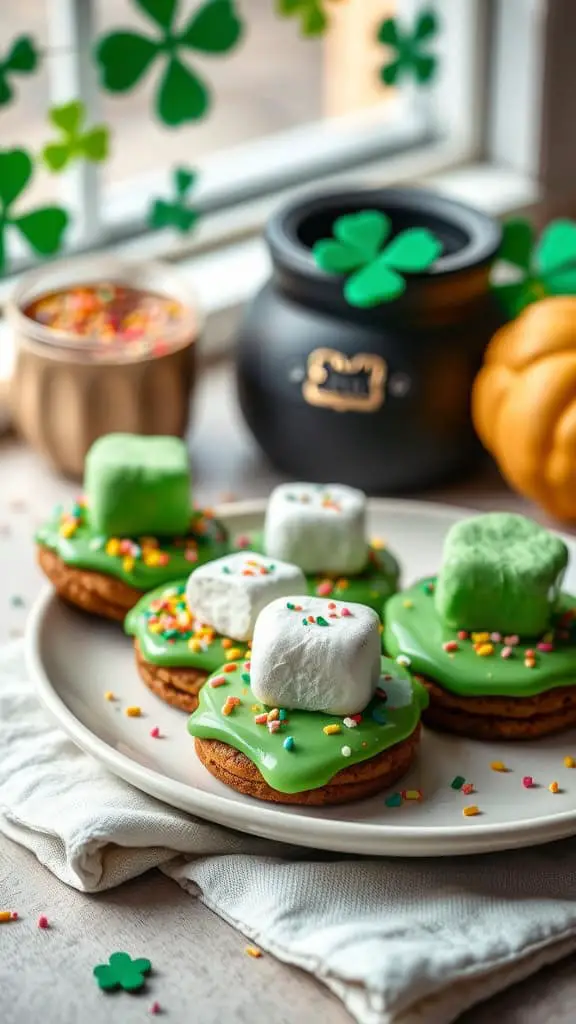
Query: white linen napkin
column 399, row 942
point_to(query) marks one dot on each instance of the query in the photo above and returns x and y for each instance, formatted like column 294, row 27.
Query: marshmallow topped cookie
column 230, row 592
column 319, row 527
column 316, row 655
column 492, row 637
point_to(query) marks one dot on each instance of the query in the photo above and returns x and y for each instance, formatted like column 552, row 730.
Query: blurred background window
column 286, row 109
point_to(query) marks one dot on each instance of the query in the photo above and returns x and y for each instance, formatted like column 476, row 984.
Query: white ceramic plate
column 74, row 659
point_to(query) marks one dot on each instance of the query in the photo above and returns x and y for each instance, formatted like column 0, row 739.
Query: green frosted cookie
column 500, row 572
column 138, row 485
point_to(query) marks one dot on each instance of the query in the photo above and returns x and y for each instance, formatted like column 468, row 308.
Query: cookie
column 358, row 782
column 295, row 756
column 93, row 592
column 178, row 687
column 175, row 651
column 500, row 718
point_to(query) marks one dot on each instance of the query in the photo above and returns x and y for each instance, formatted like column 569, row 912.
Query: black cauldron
column 376, row 398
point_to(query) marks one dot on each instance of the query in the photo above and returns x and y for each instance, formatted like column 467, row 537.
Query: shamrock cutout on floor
column 125, row 57
column 376, row 272
column 76, row 143
column 546, row 267
column 21, row 59
column 313, row 21
column 176, row 213
column 122, row 971
column 42, row 228
column 411, row 55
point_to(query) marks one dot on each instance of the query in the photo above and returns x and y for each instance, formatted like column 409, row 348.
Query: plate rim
column 266, row 820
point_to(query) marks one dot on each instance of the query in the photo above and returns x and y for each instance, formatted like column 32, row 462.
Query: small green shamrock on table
column 125, row 57
column 176, row 213
column 546, row 267
column 76, row 143
column 411, row 56
column 122, row 971
column 313, row 20
column 376, row 271
column 21, row 59
column 42, row 228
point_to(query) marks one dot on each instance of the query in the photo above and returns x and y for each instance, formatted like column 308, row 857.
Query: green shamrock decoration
column 313, row 21
column 92, row 144
column 376, row 272
column 42, row 228
column 21, row 59
column 125, row 57
column 176, row 213
column 122, row 971
column 411, row 55
column 546, row 267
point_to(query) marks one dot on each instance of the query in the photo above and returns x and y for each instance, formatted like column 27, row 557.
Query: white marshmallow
column 230, row 592
column 320, row 527
column 332, row 667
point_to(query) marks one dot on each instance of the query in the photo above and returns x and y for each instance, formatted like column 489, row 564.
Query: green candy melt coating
column 170, row 648
column 138, row 485
column 500, row 572
column 315, row 757
column 372, row 587
column 86, row 549
column 418, row 632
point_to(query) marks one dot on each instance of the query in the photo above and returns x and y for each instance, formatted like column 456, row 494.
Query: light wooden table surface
column 202, row 972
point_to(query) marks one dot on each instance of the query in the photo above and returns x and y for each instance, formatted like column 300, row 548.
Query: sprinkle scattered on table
column 528, row 782
column 554, row 787
column 155, row 1008
column 569, row 762
column 458, row 782
column 8, row 915
column 498, row 766
column 133, row 711
column 395, row 800
column 253, row 951
column 43, row 921
column 16, row 601
column 108, row 695
column 470, row 811
column 155, row 732
column 468, row 788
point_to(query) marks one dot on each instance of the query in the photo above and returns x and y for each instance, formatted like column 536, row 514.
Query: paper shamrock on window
column 411, row 57
column 176, row 213
column 122, row 971
column 21, row 59
column 547, row 267
column 76, row 143
column 126, row 57
column 313, row 20
column 376, row 270
column 42, row 228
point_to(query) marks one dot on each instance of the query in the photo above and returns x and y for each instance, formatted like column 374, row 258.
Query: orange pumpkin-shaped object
column 524, row 403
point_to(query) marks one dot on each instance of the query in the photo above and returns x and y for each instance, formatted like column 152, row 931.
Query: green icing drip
column 372, row 587
column 86, row 549
column 315, row 757
column 418, row 632
column 170, row 648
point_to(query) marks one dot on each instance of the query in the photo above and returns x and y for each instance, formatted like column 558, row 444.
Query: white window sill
column 223, row 279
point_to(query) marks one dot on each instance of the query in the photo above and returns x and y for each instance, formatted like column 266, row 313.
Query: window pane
column 271, row 82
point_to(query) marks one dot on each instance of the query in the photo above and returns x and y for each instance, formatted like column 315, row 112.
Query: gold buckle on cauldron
column 323, row 360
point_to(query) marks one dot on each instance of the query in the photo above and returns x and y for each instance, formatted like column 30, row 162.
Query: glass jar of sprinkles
column 102, row 345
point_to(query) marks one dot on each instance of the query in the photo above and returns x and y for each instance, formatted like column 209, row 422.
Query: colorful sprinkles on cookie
column 170, row 634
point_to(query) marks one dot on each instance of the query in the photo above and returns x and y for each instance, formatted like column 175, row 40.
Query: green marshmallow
column 138, row 486
column 501, row 573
